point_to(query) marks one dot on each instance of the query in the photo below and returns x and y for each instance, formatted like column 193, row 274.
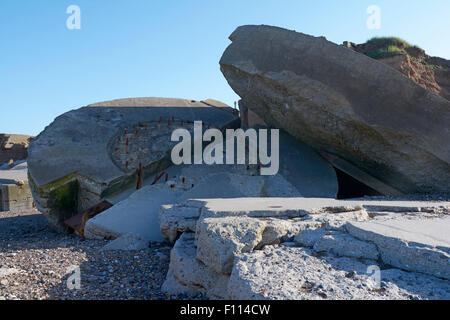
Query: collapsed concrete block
column 329, row 213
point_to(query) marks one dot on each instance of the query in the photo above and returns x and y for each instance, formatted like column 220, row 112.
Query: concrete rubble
column 245, row 248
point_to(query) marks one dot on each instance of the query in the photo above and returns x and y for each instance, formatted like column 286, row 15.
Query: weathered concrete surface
column 279, row 273
column 90, row 153
column 340, row 101
column 129, row 241
column 186, row 274
column 13, row 147
column 415, row 244
column 294, row 207
column 15, row 192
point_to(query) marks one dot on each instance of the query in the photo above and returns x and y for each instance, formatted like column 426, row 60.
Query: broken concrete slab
column 323, row 94
column 279, row 273
column 93, row 152
column 188, row 275
column 414, row 244
column 128, row 241
column 331, row 213
column 219, row 240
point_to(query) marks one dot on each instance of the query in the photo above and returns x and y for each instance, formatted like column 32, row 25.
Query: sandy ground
column 36, row 263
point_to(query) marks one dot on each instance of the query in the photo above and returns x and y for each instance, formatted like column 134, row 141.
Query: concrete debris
column 252, row 245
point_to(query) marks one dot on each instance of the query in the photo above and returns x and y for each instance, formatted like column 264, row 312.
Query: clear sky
column 166, row 48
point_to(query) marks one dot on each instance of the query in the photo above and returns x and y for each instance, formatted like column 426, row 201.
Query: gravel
column 37, row 263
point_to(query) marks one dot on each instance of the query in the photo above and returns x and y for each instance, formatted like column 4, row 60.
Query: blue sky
column 166, row 48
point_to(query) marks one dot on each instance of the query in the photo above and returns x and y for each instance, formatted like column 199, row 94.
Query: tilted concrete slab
column 341, row 101
column 273, row 207
column 15, row 193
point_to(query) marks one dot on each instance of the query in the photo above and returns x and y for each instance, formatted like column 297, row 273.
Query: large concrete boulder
column 344, row 103
column 93, row 152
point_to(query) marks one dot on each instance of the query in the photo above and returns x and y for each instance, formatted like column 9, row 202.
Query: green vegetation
column 390, row 41
column 387, row 47
column 65, row 197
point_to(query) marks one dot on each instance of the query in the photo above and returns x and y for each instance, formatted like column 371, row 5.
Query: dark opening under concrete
column 349, row 187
